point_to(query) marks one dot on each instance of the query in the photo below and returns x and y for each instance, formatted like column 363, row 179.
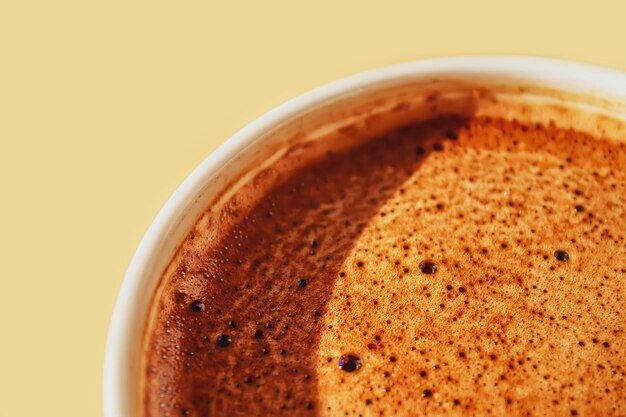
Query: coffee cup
column 499, row 86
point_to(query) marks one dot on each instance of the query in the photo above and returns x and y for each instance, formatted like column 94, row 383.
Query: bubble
column 181, row 295
column 427, row 393
column 196, row 306
column 451, row 135
column 302, row 283
column 420, row 150
column 349, row 363
column 579, row 208
column 233, row 324
column 438, row 147
column 428, row 267
column 258, row 334
column 223, row 340
column 561, row 255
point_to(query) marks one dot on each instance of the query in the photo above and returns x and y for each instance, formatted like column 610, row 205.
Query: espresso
column 454, row 267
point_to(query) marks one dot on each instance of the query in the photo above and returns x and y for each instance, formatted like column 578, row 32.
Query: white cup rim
column 559, row 74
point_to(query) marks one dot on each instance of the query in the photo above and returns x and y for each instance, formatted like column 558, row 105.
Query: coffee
column 459, row 266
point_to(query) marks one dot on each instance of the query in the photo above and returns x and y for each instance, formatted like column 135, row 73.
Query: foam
column 502, row 326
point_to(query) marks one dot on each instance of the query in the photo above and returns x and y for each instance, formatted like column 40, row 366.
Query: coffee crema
column 458, row 266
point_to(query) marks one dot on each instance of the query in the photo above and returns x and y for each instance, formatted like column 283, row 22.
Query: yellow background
column 105, row 107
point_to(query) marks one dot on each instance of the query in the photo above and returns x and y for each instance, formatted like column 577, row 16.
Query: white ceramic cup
column 122, row 371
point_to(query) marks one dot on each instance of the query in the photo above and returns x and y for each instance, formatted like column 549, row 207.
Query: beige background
column 105, row 107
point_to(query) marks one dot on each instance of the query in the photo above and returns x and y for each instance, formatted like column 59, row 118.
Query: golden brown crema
column 457, row 266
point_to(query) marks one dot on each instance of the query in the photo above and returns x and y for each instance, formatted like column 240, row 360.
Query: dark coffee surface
column 457, row 267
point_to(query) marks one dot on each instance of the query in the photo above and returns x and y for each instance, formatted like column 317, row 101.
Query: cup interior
column 339, row 116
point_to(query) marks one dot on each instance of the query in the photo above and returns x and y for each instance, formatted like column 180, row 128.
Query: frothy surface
column 455, row 267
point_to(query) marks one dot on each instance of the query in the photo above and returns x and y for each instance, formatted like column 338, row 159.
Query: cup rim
column 560, row 74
